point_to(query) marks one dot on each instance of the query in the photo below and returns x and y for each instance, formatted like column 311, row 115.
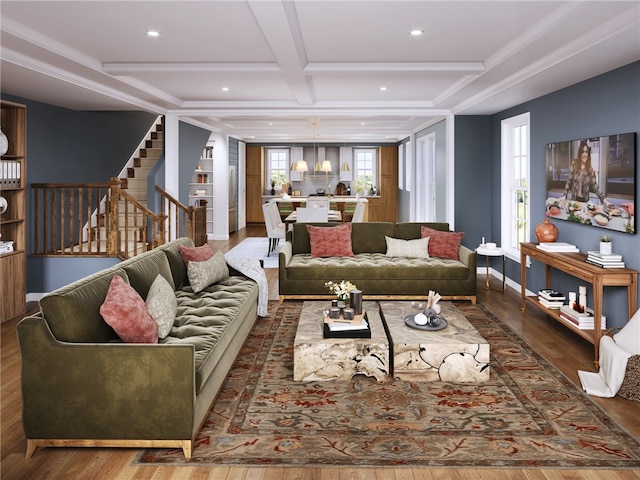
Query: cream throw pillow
column 203, row 274
column 162, row 305
column 397, row 247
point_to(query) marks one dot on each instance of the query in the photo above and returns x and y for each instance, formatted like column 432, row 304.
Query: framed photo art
column 592, row 181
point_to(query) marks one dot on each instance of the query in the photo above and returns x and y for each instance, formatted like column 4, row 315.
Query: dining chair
column 307, row 215
column 276, row 229
column 358, row 214
column 317, row 202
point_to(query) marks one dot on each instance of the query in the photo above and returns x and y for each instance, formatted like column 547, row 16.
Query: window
column 365, row 174
column 277, row 166
column 515, row 215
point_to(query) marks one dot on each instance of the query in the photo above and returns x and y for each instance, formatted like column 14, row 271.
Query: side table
column 492, row 252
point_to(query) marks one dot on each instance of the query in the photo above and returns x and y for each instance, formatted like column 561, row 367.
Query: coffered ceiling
column 288, row 65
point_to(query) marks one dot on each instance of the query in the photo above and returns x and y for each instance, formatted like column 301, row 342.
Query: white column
column 172, row 161
column 451, row 190
column 220, row 187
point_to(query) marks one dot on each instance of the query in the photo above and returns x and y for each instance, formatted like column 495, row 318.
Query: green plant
column 277, row 178
column 606, row 238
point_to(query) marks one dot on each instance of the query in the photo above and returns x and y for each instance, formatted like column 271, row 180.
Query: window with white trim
column 277, row 166
column 365, row 171
column 515, row 181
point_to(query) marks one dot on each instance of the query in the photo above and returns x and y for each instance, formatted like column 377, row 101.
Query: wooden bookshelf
column 13, row 120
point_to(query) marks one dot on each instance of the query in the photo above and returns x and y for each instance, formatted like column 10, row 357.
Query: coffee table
column 458, row 353
column 318, row 359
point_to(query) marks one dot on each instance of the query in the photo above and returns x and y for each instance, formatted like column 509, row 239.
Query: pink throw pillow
column 330, row 241
column 124, row 310
column 442, row 244
column 197, row 254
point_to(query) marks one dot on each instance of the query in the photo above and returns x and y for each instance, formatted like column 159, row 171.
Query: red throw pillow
column 442, row 244
column 330, row 241
column 197, row 254
column 125, row 311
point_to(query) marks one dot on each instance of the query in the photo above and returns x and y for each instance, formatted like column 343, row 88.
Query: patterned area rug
column 527, row 415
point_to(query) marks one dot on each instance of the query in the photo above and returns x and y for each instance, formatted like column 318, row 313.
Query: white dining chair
column 358, row 213
column 276, row 229
column 317, row 202
column 307, row 215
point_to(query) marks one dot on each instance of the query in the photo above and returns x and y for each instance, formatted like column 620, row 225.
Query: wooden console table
column 575, row 264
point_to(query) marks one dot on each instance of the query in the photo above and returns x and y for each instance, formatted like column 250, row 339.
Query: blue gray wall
column 82, row 146
column 68, row 146
column 604, row 105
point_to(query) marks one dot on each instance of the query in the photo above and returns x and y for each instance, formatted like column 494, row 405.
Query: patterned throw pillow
column 397, row 247
column 162, row 305
column 330, row 241
column 442, row 244
column 203, row 274
column 124, row 310
column 197, row 254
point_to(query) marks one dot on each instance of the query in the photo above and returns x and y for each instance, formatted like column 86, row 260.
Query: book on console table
column 604, row 260
column 584, row 320
column 557, row 247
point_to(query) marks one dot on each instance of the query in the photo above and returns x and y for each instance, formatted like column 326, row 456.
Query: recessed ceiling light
column 416, row 32
column 384, row 89
column 153, row 33
column 225, row 89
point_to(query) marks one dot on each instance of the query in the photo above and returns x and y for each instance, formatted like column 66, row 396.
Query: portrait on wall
column 592, row 181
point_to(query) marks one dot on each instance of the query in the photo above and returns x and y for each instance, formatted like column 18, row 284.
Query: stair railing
column 93, row 219
column 182, row 220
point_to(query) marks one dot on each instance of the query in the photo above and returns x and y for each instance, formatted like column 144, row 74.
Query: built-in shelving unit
column 201, row 185
column 13, row 169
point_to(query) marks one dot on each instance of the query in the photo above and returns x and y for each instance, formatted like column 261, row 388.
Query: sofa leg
column 31, row 448
column 187, row 447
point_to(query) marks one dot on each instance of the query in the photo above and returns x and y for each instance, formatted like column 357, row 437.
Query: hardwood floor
column 567, row 351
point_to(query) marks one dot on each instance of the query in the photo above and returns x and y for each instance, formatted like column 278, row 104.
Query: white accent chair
column 318, row 202
column 276, row 229
column 308, row 215
column 358, row 213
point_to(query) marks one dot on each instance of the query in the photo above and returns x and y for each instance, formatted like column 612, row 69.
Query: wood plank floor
column 567, row 351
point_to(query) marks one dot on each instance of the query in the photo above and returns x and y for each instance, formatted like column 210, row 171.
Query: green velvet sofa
column 82, row 386
column 302, row 276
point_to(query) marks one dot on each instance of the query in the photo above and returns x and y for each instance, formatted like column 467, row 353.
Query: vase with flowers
column 341, row 290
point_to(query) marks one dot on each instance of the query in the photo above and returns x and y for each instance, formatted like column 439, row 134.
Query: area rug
column 527, row 415
column 257, row 247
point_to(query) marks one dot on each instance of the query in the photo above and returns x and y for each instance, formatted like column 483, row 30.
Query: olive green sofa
column 302, row 276
column 82, row 386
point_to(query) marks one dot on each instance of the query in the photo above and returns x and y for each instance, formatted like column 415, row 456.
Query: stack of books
column 550, row 298
column 604, row 260
column 6, row 247
column 583, row 321
column 557, row 247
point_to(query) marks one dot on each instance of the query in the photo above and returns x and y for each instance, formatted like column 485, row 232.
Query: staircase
column 134, row 175
column 133, row 180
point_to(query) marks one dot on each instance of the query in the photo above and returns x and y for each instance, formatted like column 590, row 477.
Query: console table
column 575, row 264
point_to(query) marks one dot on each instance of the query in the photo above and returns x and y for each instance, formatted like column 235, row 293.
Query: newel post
column 113, row 232
column 161, row 219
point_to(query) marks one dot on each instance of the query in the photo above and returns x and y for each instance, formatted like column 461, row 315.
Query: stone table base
column 458, row 353
column 317, row 359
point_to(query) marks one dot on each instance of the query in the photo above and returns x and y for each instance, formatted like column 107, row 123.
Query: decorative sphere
column 420, row 319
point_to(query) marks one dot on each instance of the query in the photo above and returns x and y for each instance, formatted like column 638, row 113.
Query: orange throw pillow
column 124, row 310
column 442, row 244
column 330, row 241
column 197, row 254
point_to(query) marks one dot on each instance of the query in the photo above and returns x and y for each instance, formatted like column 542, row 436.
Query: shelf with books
column 13, row 219
column 574, row 264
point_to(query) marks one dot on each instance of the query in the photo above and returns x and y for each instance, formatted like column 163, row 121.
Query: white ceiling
column 292, row 64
